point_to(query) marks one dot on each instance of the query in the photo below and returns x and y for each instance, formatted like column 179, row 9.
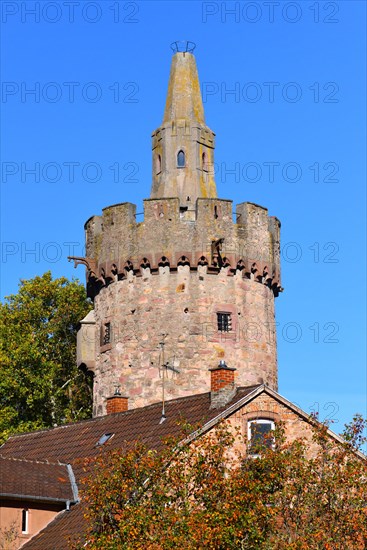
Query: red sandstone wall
column 182, row 305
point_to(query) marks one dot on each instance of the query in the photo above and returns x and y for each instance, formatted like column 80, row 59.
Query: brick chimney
column 222, row 387
column 117, row 403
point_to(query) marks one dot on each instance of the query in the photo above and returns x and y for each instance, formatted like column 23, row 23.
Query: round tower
column 189, row 285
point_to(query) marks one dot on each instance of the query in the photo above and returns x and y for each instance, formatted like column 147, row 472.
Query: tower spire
column 184, row 97
column 183, row 147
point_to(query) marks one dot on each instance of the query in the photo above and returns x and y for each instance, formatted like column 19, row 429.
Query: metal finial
column 183, row 46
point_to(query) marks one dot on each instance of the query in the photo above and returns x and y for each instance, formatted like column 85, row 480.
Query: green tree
column 40, row 385
column 202, row 495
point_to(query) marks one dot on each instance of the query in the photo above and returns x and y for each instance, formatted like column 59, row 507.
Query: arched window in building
column 180, row 159
column 260, row 435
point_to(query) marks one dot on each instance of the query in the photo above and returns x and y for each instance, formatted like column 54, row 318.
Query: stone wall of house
column 266, row 407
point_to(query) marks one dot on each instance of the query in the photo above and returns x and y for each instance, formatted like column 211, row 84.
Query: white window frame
column 249, row 433
column 25, row 514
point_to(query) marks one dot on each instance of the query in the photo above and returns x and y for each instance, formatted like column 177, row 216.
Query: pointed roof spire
column 184, row 95
column 183, row 147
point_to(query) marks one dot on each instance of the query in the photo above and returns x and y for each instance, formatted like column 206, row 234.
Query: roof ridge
column 131, row 412
column 33, row 461
column 100, row 418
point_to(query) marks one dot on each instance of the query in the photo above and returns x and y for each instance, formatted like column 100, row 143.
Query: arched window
column 204, row 161
column 260, row 435
column 181, row 159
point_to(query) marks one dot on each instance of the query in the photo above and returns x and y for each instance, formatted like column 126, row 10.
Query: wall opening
column 260, row 435
column 106, row 334
column 204, row 161
column 224, row 321
column 181, row 161
column 25, row 513
column 158, row 164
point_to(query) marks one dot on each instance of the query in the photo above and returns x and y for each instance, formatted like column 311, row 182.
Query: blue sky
column 284, row 90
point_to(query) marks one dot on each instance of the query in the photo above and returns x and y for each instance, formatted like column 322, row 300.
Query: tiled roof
column 34, row 480
column 67, row 526
column 71, row 442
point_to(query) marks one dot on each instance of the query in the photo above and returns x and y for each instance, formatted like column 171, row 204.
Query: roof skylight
column 104, row 438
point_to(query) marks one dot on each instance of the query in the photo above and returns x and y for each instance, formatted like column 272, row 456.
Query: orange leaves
column 198, row 496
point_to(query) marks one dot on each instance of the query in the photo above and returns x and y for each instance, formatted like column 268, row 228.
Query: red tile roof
column 67, row 526
column 71, row 442
column 34, row 480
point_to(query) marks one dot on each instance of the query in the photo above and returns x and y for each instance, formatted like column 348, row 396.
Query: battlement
column 171, row 236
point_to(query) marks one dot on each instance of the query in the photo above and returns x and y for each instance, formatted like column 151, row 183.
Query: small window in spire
column 158, row 164
column 180, row 159
column 204, row 161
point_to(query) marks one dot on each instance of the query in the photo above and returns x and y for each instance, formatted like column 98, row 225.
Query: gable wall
column 266, row 407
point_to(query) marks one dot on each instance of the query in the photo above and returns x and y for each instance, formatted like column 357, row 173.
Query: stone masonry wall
column 182, row 305
column 266, row 407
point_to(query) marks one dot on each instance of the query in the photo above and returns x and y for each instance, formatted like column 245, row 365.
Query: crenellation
column 118, row 244
column 93, row 231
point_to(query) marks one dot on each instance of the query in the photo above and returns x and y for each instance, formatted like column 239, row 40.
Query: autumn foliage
column 200, row 494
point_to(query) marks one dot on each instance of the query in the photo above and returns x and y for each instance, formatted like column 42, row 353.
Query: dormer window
column 181, row 159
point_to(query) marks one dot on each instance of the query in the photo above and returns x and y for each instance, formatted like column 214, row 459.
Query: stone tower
column 190, row 285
